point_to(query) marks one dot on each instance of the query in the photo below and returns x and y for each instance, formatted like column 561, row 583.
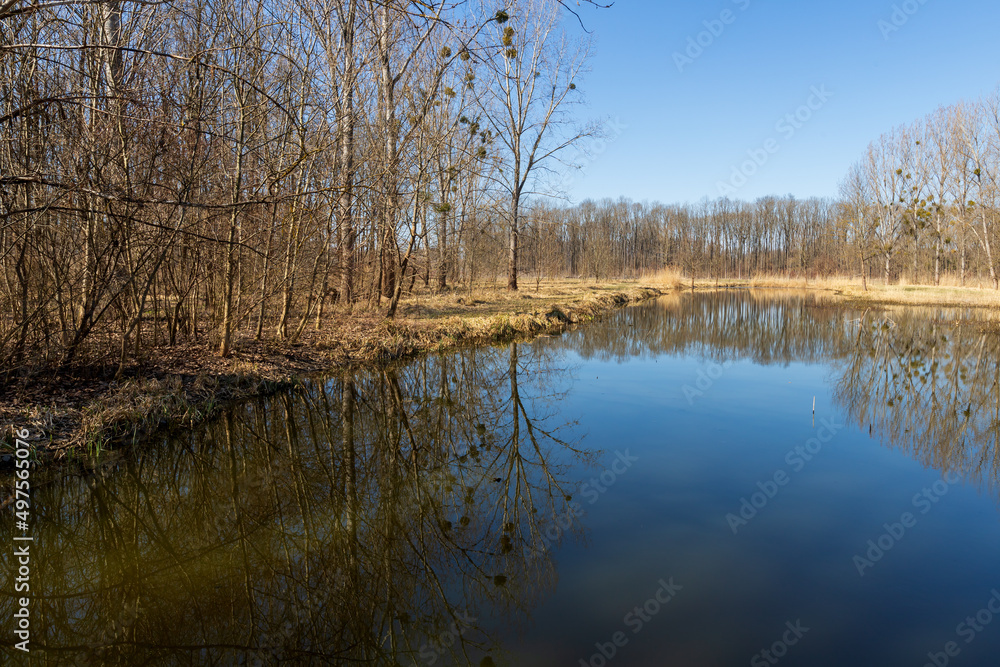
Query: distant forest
column 723, row 238
column 921, row 204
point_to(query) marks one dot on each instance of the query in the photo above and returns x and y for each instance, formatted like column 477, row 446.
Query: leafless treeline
column 922, row 203
column 721, row 238
column 181, row 169
column 924, row 198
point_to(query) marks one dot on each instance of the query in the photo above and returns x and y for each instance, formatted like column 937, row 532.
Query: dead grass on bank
column 920, row 295
column 670, row 278
column 182, row 386
column 949, row 293
column 480, row 316
column 84, row 411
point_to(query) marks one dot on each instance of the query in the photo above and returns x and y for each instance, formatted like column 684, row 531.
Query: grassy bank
column 82, row 411
column 877, row 293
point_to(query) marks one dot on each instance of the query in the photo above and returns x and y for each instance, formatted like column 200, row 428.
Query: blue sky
column 685, row 131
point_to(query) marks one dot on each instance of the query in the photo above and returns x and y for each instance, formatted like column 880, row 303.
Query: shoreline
column 945, row 296
column 74, row 416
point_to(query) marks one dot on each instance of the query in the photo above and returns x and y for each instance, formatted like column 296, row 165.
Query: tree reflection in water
column 928, row 382
column 764, row 327
column 355, row 520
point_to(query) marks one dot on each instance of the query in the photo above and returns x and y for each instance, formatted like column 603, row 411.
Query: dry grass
column 141, row 407
column 187, row 384
column 949, row 293
column 928, row 295
column 826, row 283
column 491, row 300
column 439, row 321
column 70, row 416
column 668, row 278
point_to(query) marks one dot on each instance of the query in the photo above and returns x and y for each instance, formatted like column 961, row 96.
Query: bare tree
column 533, row 78
column 886, row 182
column 977, row 151
column 855, row 198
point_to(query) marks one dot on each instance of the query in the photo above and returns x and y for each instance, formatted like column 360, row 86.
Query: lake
column 724, row 478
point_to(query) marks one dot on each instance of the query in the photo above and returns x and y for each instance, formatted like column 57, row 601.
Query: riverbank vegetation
column 205, row 174
column 86, row 409
column 901, row 292
column 185, row 172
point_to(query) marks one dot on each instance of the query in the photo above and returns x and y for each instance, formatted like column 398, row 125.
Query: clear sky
column 688, row 126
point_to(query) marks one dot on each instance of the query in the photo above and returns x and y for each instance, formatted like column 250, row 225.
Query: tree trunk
column 443, row 248
column 989, row 253
column 512, row 248
column 229, row 280
column 345, row 130
column 388, row 255
column 864, row 276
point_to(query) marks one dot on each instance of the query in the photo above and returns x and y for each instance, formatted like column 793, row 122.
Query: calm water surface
column 651, row 489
